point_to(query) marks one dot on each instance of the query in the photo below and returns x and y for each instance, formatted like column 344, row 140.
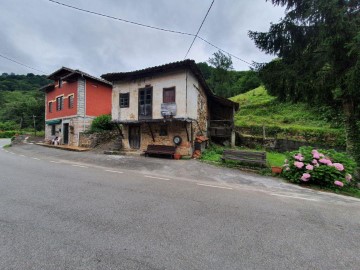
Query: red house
column 72, row 102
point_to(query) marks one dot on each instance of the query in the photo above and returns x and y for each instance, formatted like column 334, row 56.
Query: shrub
column 102, row 123
column 8, row 133
column 326, row 168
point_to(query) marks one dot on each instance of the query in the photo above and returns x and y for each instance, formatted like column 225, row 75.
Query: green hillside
column 258, row 109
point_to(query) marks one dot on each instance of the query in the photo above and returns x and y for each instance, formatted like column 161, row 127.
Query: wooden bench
column 248, row 157
column 160, row 150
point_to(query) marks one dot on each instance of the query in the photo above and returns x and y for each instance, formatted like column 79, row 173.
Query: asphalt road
column 72, row 215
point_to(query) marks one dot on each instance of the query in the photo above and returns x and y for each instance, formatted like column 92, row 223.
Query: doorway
column 134, row 136
column 66, row 133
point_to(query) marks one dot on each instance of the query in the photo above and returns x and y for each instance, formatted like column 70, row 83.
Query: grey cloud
column 46, row 36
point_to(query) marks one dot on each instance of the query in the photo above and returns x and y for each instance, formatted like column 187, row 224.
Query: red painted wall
column 98, row 98
column 66, row 89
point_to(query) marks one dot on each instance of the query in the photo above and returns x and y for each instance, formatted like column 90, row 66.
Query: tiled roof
column 65, row 73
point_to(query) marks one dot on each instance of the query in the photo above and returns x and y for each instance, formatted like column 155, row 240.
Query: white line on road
column 11, row 153
column 54, row 161
column 113, row 171
column 294, row 197
column 22, row 156
column 81, row 166
column 36, row 158
column 213, row 186
column 160, row 178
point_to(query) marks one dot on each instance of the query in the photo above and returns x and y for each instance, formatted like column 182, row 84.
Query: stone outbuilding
column 168, row 105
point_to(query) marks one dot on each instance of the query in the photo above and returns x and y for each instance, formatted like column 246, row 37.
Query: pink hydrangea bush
column 326, row 168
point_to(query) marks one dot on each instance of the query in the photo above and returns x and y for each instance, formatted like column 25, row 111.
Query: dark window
column 145, row 103
column 124, row 100
column 60, row 83
column 50, row 106
column 59, row 103
column 163, row 130
column 71, row 102
column 52, row 130
column 169, row 95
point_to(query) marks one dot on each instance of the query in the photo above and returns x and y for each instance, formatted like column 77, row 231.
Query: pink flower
column 298, row 164
column 325, row 161
column 314, row 161
column 299, row 157
column 305, row 177
column 287, row 169
column 339, row 183
column 314, row 151
column 321, row 155
column 316, row 155
column 309, row 167
column 348, row 177
column 330, row 164
column 339, row 166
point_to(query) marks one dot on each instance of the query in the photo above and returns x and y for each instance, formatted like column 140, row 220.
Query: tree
column 221, row 76
column 318, row 45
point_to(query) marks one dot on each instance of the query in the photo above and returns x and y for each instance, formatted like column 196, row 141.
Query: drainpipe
column 84, row 103
column 186, row 94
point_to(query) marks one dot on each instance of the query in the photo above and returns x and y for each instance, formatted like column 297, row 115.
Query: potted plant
column 276, row 169
column 177, row 156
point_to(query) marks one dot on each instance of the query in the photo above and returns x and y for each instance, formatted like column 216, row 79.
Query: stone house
column 168, row 105
column 72, row 101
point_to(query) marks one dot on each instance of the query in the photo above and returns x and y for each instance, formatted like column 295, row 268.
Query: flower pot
column 177, row 156
column 276, row 169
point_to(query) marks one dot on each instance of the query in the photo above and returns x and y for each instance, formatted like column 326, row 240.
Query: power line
column 123, row 20
column 12, row 60
column 154, row 27
column 225, row 51
column 199, row 30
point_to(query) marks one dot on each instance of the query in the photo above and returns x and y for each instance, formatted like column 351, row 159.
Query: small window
column 124, row 100
column 163, row 130
column 60, row 83
column 169, row 95
column 59, row 103
column 71, row 102
column 50, row 107
column 53, row 130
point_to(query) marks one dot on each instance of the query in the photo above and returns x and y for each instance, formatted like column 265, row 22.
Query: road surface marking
column 81, row 166
column 213, row 186
column 54, row 161
column 36, row 158
column 294, row 197
column 11, row 153
column 113, row 171
column 160, row 178
column 22, row 156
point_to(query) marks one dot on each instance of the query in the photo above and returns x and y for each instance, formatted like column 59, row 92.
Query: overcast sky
column 46, row 36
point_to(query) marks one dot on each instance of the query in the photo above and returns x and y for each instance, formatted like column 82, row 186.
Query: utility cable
column 154, row 27
column 12, row 60
column 123, row 20
column 199, row 29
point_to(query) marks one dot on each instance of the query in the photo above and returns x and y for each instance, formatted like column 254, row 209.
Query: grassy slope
column 258, row 108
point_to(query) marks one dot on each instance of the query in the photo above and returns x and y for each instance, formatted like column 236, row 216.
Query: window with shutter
column 145, row 103
column 169, row 95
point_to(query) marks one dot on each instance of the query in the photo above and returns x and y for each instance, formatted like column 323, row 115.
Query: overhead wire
column 155, row 27
column 192, row 43
column 19, row 63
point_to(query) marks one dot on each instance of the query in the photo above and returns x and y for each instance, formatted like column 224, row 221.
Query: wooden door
column 134, row 137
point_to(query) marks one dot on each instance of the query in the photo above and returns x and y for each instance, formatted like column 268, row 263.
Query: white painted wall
column 158, row 82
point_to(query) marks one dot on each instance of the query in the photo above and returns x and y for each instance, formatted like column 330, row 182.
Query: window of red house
column 50, row 106
column 71, row 102
column 169, row 95
column 59, row 103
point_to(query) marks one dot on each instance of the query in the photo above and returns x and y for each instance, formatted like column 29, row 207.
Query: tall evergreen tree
column 318, row 45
